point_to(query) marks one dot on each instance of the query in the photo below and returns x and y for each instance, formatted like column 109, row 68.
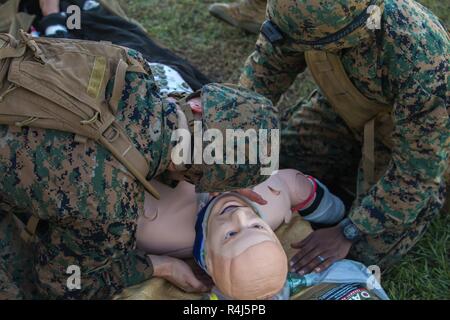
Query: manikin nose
column 240, row 218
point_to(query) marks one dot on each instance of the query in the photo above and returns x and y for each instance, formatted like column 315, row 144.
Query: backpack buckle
column 91, row 120
column 31, row 43
column 29, row 231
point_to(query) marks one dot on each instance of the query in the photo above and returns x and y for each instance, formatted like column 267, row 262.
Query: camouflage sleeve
column 88, row 204
column 421, row 144
column 270, row 70
column 101, row 245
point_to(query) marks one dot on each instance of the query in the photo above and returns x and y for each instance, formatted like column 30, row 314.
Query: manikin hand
column 177, row 272
column 319, row 250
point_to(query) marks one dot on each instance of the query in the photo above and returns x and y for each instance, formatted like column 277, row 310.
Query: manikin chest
column 167, row 225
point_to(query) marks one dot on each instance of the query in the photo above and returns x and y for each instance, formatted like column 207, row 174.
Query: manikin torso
column 167, row 225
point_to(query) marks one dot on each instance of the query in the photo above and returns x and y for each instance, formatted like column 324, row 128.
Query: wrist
column 161, row 265
column 349, row 230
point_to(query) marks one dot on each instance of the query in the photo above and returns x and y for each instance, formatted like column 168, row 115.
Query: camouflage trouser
column 15, row 267
column 316, row 140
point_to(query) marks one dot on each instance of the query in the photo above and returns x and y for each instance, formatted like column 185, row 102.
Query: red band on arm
column 303, row 204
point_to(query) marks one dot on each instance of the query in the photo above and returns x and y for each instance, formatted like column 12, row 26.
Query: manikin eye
column 230, row 234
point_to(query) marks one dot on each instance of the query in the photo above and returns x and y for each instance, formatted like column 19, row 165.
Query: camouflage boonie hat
column 324, row 24
column 228, row 106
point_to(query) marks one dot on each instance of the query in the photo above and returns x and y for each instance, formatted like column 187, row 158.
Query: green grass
column 220, row 50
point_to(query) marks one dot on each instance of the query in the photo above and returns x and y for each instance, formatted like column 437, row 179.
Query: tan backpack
column 60, row 84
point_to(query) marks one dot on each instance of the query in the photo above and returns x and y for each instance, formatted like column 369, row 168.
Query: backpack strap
column 329, row 73
column 118, row 143
column 28, row 233
column 10, row 47
column 10, row 52
column 11, row 20
column 115, row 138
column 119, row 80
column 364, row 116
column 119, row 84
column 368, row 154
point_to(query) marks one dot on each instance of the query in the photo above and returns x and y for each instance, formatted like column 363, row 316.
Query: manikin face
column 243, row 255
column 233, row 227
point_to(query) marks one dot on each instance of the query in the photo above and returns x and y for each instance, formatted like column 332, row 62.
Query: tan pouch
column 365, row 117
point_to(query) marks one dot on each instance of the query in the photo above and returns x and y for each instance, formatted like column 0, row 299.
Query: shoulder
column 414, row 30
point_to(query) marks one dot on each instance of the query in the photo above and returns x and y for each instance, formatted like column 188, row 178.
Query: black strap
column 315, row 204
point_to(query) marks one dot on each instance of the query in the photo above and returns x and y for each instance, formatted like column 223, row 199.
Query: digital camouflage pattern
column 298, row 20
column 245, row 111
column 87, row 201
column 91, row 202
column 405, row 64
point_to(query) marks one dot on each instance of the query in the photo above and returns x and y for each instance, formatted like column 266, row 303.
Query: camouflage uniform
column 404, row 64
column 88, row 202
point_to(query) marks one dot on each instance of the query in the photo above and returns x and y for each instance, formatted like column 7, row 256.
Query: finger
column 252, row 195
column 196, row 285
column 302, row 243
column 308, row 259
column 309, row 267
column 297, row 261
column 325, row 265
column 303, row 251
column 185, row 286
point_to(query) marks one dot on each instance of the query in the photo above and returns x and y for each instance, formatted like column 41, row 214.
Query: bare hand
column 177, row 272
column 319, row 250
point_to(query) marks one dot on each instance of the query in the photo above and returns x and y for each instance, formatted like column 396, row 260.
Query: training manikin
column 231, row 238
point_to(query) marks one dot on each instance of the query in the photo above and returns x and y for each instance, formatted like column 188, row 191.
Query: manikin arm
column 290, row 189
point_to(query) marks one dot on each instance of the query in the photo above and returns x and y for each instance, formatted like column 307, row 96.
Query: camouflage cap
column 225, row 107
column 324, row 24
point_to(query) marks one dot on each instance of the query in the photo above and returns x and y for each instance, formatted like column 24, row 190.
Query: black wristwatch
column 349, row 230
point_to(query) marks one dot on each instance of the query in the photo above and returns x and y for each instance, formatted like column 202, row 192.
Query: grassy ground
column 220, row 50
